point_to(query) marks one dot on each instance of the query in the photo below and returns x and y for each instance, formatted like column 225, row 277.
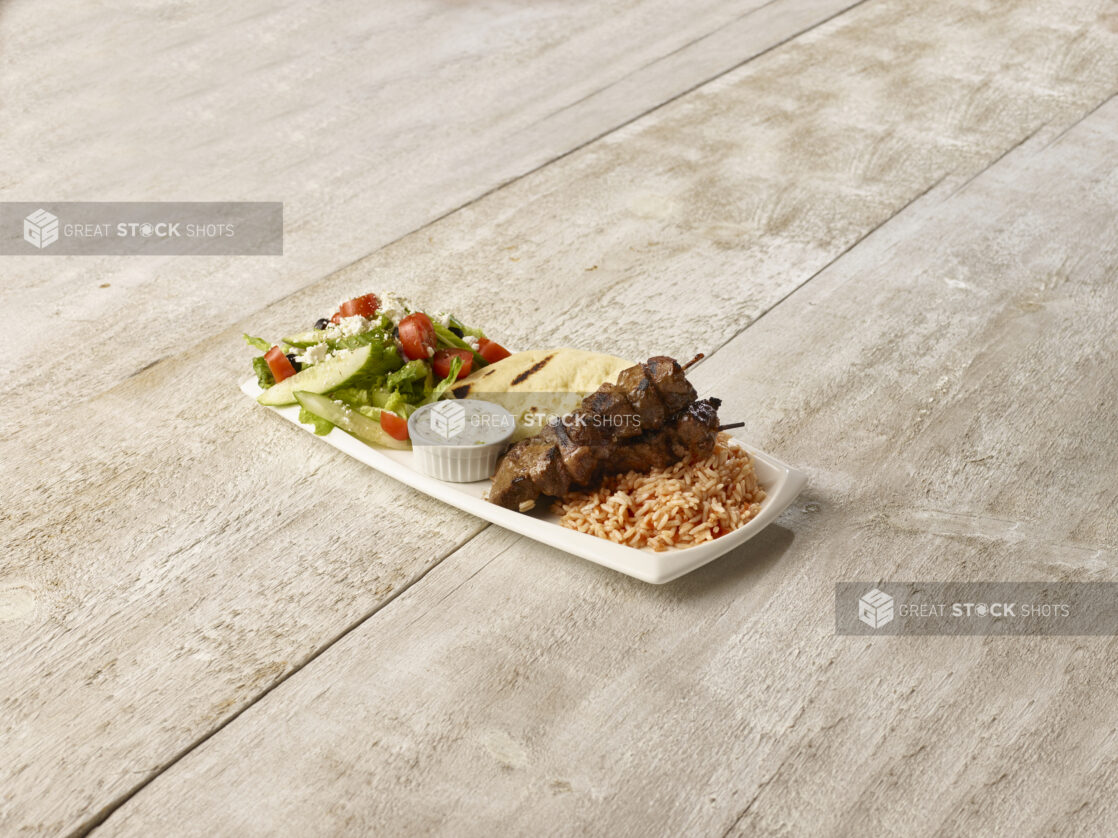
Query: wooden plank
column 175, row 555
column 366, row 129
column 955, row 367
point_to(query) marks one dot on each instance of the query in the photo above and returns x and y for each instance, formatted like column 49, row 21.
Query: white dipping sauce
column 459, row 440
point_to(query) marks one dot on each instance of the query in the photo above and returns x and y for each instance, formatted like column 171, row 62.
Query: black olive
column 321, row 323
column 457, row 331
column 294, row 363
column 395, row 331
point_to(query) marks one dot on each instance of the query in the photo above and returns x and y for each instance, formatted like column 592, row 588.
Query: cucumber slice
column 365, row 429
column 305, row 339
column 331, row 374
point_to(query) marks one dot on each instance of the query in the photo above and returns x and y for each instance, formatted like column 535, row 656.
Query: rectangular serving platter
column 782, row 483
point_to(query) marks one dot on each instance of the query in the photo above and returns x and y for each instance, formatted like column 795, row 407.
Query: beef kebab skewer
column 649, row 418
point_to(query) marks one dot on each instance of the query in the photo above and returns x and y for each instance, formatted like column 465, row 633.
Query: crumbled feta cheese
column 430, row 352
column 394, row 308
column 353, row 325
column 442, row 318
column 348, row 326
column 471, row 341
column 314, row 354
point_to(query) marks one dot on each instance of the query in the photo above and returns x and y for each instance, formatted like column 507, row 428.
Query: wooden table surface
column 891, row 224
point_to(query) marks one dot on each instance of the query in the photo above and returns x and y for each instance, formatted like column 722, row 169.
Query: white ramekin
column 459, row 440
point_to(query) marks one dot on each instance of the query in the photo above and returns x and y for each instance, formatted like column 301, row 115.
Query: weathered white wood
column 175, row 551
column 367, row 120
column 950, row 382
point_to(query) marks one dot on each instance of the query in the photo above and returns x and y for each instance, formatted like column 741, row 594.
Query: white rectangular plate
column 781, row 483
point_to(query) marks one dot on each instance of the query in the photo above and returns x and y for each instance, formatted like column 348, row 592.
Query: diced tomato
column 337, row 316
column 365, row 305
column 492, row 351
column 279, row 364
column 441, row 362
column 417, row 336
column 395, row 426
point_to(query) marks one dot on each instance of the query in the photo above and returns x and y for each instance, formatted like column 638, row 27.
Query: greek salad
column 369, row 365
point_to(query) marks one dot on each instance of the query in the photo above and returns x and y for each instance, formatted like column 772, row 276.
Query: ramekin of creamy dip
column 459, row 440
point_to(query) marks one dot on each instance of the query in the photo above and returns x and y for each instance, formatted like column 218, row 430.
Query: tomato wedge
column 279, row 364
column 365, row 305
column 417, row 336
column 441, row 362
column 393, row 425
column 492, row 351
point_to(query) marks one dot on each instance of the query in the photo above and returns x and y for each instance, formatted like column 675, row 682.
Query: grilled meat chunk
column 646, row 401
column 693, row 431
column 580, row 461
column 530, row 468
column 671, row 383
column 584, row 427
column 618, row 417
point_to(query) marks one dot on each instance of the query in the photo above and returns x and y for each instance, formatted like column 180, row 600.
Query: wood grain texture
column 955, row 367
column 148, row 530
column 368, row 120
column 176, row 553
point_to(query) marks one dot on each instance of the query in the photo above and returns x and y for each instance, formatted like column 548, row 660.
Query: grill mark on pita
column 461, row 392
column 532, row 370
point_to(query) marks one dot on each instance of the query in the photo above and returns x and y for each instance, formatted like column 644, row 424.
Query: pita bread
column 536, row 385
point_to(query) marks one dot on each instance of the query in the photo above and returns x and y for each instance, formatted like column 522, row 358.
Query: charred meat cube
column 528, row 469
column 647, row 451
column 617, row 414
column 671, row 383
column 696, row 428
column 580, row 461
column 646, row 402
column 584, row 427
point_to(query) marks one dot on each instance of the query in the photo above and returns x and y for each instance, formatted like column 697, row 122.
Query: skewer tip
column 694, row 360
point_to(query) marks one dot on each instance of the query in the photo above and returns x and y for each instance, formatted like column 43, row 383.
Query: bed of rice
column 679, row 506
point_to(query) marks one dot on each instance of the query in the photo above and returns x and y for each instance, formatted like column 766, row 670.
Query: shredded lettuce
column 411, row 371
column 357, row 341
column 257, row 343
column 320, row 425
column 264, row 375
column 371, row 402
column 397, row 404
column 353, row 396
column 439, row 389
